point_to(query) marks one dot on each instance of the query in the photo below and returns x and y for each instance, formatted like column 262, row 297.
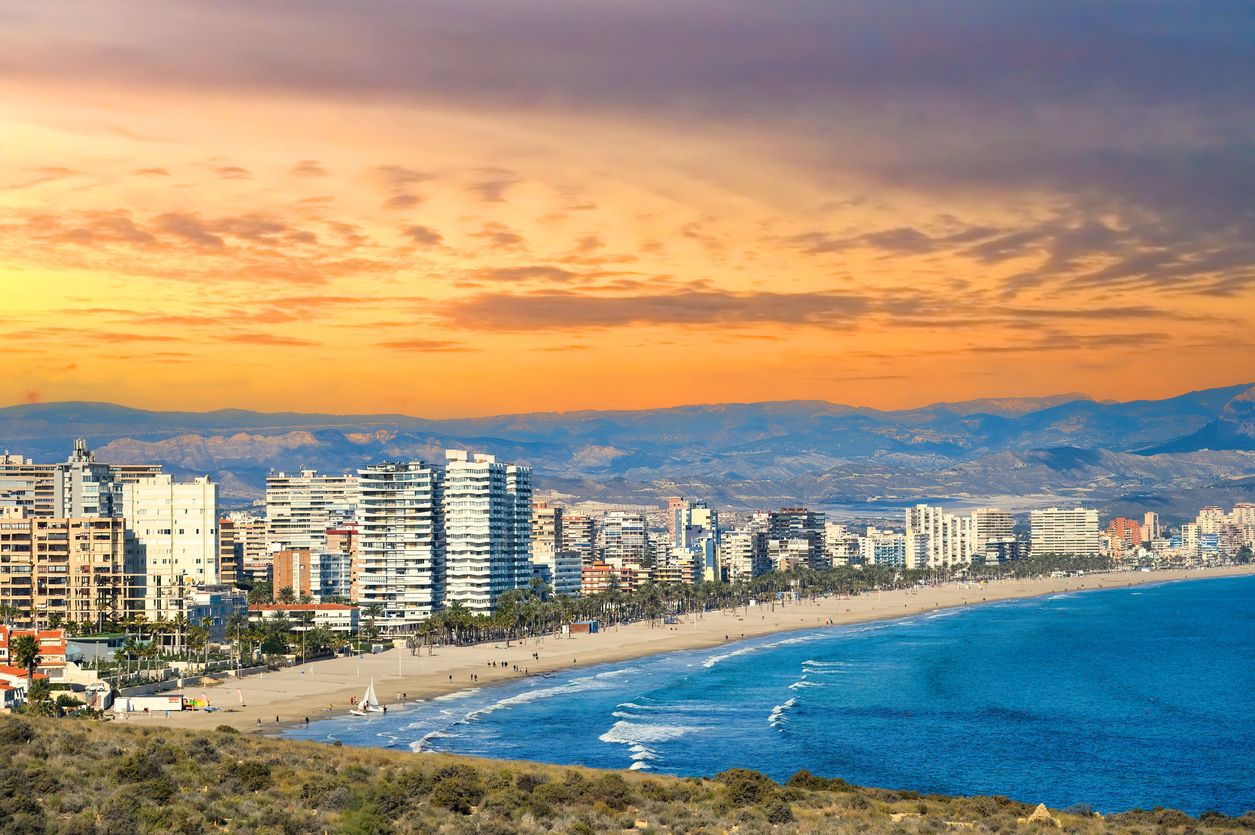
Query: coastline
column 322, row 689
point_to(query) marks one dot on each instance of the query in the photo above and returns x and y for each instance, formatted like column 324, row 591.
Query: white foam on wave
column 800, row 639
column 629, row 733
column 419, row 745
column 801, row 683
column 578, row 685
column 638, row 766
column 461, row 694
column 777, row 714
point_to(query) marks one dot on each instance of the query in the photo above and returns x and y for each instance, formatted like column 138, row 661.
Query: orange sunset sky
column 466, row 208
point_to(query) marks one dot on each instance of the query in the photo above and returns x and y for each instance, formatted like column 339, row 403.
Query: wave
column 798, row 685
column 628, row 733
column 419, row 745
column 800, row 639
column 777, row 713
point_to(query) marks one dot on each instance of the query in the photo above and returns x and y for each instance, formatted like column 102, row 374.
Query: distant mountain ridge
column 744, row 454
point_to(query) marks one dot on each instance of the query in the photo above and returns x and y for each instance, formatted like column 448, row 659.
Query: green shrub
column 743, row 787
column 251, row 775
column 457, row 788
column 778, row 811
column 136, row 768
column 16, row 732
column 614, row 791
column 227, row 729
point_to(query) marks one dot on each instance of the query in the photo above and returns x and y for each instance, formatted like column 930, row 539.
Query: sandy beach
column 322, row 688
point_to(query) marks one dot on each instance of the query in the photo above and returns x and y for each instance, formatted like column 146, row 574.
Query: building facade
column 171, row 542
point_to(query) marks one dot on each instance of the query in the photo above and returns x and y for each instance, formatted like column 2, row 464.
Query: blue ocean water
column 1119, row 698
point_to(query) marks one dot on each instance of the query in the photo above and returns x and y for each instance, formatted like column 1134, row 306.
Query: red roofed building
column 13, row 686
column 51, row 645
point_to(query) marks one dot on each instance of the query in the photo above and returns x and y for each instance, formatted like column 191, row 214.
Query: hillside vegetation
column 84, row 777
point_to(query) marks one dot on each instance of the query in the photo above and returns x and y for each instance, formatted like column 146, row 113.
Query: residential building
column 73, row 570
column 885, row 548
column 293, row 572
column 1150, row 529
column 302, row 507
column 625, row 539
column 841, row 545
column 1125, row 534
column 951, row 539
column 796, row 535
column 743, row 551
column 171, row 542
column 343, row 542
column 487, row 529
column 991, row 524
column 1072, row 533
column 230, row 552
column 557, row 567
column 52, row 646
column 213, row 606
column 579, row 534
column 78, row 487
column 340, row 618
column 252, row 556
column 401, row 541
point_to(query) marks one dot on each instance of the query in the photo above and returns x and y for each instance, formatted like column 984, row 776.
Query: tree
column 24, row 650
column 373, row 611
column 287, row 595
column 261, row 592
column 198, row 640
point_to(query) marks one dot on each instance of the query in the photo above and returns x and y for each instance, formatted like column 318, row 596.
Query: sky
column 457, row 207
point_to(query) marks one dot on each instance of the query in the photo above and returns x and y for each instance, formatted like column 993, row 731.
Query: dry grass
column 84, row 777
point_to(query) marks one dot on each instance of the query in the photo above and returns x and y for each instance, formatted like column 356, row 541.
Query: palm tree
column 373, row 611
column 198, row 640
column 179, row 626
column 305, row 620
column 24, row 650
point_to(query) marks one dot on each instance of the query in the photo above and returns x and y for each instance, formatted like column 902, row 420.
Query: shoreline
column 321, row 689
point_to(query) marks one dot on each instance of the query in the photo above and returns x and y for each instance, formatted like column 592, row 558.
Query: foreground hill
column 750, row 455
column 85, row 777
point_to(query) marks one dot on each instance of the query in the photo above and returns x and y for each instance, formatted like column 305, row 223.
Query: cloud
column 262, row 338
column 500, row 236
column 151, row 172
column 561, row 310
column 535, row 273
column 424, row 235
column 309, row 168
column 403, row 200
column 423, row 346
column 232, row 172
column 491, row 188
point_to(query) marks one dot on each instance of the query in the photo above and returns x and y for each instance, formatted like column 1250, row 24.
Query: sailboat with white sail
column 369, row 703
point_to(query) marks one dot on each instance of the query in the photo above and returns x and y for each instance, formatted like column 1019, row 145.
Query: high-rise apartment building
column 301, row 507
column 78, row 487
column 990, row 524
column 401, row 540
column 487, row 529
column 68, row 569
column 172, row 541
column 743, row 551
column 1072, row 533
column 1125, row 534
column 625, row 539
column 555, row 566
column 579, row 534
column 1150, row 526
column 795, row 535
column 950, row 539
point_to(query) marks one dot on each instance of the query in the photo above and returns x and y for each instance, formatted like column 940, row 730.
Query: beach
column 324, row 688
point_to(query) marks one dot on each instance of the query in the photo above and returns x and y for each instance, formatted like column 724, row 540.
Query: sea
column 1120, row 698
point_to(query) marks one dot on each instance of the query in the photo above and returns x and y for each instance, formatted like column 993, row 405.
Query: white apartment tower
column 171, row 541
column 401, row 544
column 488, row 506
column 950, row 540
column 301, row 507
column 1071, row 533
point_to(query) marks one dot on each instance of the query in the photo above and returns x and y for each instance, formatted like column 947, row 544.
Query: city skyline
column 543, row 208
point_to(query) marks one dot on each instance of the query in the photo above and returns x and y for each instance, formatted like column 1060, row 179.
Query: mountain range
column 1169, row 455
